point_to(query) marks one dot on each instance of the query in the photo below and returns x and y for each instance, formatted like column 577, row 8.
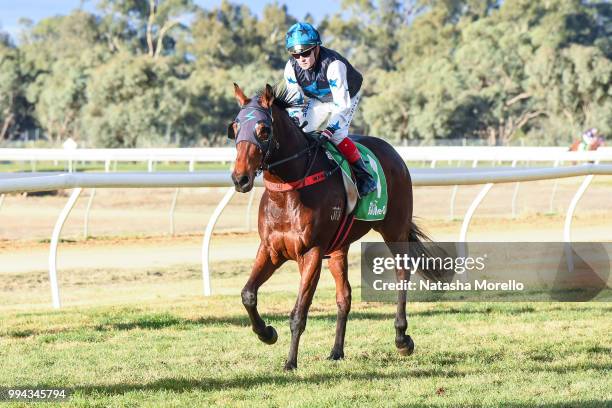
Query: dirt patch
column 130, row 227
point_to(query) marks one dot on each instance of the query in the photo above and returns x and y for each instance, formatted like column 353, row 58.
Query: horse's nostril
column 243, row 181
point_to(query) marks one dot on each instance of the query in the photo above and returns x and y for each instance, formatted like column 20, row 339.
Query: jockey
column 333, row 88
column 590, row 137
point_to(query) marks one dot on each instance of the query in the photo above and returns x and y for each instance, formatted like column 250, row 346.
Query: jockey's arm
column 294, row 92
column 340, row 115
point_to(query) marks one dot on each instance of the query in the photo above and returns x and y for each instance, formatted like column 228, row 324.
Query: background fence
column 432, row 176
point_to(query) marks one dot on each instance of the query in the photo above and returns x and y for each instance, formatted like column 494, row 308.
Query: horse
column 298, row 223
column 578, row 145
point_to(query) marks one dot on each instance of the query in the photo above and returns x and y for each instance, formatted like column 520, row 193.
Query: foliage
column 147, row 72
column 132, row 101
column 10, row 87
column 525, row 68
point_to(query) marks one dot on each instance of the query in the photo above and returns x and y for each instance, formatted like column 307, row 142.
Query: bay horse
column 577, row 145
column 299, row 224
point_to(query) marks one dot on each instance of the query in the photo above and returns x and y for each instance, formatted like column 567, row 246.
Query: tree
column 211, row 102
column 57, row 56
column 135, row 74
column 143, row 26
column 10, row 89
column 224, row 37
column 574, row 86
column 527, row 67
column 61, row 99
column 132, row 101
column 271, row 29
column 368, row 36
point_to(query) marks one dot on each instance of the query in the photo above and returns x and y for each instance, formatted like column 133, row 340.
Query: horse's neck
column 290, row 142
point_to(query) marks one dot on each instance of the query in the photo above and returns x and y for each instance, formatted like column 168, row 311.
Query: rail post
column 57, row 230
column 208, row 236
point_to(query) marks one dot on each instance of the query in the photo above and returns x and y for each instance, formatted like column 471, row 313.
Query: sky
column 12, row 10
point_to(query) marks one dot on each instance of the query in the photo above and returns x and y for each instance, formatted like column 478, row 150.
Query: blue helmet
column 301, row 37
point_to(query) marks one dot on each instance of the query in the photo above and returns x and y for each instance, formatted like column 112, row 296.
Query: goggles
column 303, row 54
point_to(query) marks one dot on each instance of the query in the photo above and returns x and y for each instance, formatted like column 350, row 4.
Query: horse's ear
column 268, row 97
column 240, row 96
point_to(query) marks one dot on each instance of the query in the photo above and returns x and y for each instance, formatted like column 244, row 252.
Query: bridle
column 264, row 118
column 268, row 146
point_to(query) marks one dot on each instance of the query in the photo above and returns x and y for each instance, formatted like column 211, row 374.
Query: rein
column 270, row 144
column 306, row 180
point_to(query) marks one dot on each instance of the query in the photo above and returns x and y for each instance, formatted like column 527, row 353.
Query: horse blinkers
column 253, row 122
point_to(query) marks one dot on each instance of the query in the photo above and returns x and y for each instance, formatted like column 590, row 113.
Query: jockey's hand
column 327, row 133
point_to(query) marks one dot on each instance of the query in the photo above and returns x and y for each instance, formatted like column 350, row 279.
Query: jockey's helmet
column 301, row 37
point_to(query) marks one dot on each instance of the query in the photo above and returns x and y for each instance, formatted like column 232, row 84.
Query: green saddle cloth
column 373, row 206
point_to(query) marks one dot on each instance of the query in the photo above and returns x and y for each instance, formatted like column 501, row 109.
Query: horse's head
column 252, row 132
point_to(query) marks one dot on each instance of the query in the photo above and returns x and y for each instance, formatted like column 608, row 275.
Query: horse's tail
column 416, row 248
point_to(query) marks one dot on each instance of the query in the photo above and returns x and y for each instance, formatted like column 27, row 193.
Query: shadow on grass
column 162, row 321
column 571, row 368
column 275, row 378
column 280, row 379
column 166, row 320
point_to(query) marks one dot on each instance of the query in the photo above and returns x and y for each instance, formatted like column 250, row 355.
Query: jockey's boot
column 365, row 182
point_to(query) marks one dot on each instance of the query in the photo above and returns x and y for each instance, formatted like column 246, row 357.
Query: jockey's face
column 308, row 61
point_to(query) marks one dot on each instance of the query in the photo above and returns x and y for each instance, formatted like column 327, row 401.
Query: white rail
column 228, row 154
column 24, row 182
column 432, row 154
column 208, row 154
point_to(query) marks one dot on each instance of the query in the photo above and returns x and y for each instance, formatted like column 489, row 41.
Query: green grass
column 195, row 351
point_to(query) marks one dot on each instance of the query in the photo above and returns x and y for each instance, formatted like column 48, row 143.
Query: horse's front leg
column 310, row 270
column 338, row 265
column 263, row 268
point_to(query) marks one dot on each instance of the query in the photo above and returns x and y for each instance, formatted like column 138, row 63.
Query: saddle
column 372, row 207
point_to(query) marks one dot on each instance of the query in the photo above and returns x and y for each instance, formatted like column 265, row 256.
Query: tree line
column 153, row 73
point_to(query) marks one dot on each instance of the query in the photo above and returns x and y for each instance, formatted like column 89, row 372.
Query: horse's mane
column 282, row 97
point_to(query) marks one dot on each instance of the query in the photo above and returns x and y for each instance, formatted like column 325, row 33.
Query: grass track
column 193, row 351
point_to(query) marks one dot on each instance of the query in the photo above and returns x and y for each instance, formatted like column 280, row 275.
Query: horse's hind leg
column 338, row 265
column 398, row 245
column 263, row 268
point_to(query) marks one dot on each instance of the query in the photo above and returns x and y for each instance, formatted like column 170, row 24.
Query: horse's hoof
column 336, row 355
column 289, row 366
column 406, row 348
column 270, row 337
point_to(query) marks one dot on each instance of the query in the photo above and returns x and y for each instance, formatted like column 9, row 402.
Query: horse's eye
column 263, row 131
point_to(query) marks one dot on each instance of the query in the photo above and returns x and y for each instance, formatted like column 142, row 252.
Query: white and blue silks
column 329, row 107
